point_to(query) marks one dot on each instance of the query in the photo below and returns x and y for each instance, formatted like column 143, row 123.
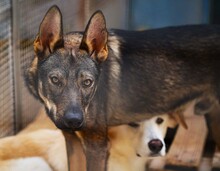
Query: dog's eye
column 159, row 120
column 133, row 124
column 55, row 80
column 87, row 83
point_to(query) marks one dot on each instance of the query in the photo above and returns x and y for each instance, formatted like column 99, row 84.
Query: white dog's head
column 143, row 139
column 150, row 134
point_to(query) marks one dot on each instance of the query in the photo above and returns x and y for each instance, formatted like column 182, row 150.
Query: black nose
column 73, row 120
column 155, row 145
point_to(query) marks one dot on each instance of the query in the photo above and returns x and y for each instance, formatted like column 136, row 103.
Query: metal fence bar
column 17, row 67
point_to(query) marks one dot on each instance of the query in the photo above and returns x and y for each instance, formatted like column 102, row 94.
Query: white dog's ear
column 179, row 118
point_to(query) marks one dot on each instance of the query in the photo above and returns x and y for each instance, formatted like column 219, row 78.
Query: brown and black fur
column 98, row 78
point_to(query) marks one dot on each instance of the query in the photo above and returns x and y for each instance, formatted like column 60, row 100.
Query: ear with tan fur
column 50, row 33
column 94, row 40
column 178, row 116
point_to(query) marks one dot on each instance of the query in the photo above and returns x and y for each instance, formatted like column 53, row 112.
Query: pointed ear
column 178, row 116
column 50, row 33
column 95, row 38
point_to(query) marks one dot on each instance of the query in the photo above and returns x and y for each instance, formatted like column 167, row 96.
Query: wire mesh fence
column 6, row 70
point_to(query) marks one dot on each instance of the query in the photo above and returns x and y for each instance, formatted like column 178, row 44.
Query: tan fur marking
column 49, row 104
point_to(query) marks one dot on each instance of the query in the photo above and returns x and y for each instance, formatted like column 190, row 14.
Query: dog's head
column 150, row 134
column 64, row 74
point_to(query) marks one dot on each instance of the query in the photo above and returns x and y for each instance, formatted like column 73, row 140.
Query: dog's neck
column 122, row 140
column 123, row 149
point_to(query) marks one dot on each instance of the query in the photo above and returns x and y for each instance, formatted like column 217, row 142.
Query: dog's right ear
column 179, row 118
column 50, row 33
column 95, row 37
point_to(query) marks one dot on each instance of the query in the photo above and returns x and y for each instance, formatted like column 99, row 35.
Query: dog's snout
column 155, row 145
column 73, row 120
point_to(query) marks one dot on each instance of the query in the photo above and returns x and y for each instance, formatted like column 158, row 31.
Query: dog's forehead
column 153, row 121
column 72, row 40
column 55, row 58
column 72, row 43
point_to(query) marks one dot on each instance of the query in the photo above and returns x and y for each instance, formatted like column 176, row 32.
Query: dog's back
column 179, row 64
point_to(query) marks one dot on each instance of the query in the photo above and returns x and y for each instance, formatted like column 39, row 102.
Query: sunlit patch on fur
column 114, row 44
column 115, row 67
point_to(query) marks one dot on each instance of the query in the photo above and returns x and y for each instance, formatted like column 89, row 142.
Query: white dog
column 133, row 144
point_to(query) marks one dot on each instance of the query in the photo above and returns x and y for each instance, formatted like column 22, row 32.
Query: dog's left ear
column 178, row 116
column 95, row 38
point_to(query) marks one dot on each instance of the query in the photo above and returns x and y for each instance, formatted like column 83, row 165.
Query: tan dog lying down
column 41, row 146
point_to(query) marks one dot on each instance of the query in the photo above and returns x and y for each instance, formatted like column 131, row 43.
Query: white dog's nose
column 155, row 145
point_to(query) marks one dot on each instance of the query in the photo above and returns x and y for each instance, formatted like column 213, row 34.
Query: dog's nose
column 73, row 120
column 155, row 145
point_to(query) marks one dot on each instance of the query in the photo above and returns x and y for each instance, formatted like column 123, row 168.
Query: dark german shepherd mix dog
column 94, row 79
